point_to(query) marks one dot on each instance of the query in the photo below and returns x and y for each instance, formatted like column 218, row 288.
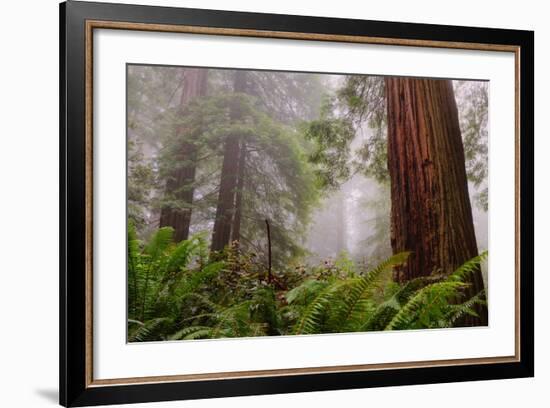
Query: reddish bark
column 226, row 198
column 236, row 230
column 180, row 183
column 226, row 207
column 431, row 214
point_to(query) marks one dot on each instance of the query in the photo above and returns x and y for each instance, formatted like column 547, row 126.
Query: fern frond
column 356, row 306
column 310, row 320
column 193, row 331
column 410, row 311
column 306, row 290
column 466, row 308
column 233, row 321
column 391, row 262
column 159, row 242
column 203, row 299
column 468, row 267
column 147, row 331
column 382, row 315
column 194, row 279
column 200, row 334
column 181, row 255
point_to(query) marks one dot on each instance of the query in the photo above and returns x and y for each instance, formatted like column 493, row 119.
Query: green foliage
column 425, row 309
column 462, row 273
column 344, row 304
column 289, row 97
column 148, row 331
column 331, row 137
column 161, row 275
column 279, row 183
column 429, row 302
column 357, row 111
column 358, row 107
column 473, row 108
column 141, row 179
column 168, row 139
column 300, row 139
column 362, row 99
column 177, row 293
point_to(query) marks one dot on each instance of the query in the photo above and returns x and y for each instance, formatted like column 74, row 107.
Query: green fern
column 389, row 307
column 351, row 309
column 159, row 243
column 421, row 302
column 148, row 331
column 175, row 292
column 191, row 332
column 310, row 321
column 357, row 305
column 456, row 312
column 462, row 273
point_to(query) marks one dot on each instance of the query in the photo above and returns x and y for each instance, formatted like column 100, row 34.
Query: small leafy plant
column 175, row 292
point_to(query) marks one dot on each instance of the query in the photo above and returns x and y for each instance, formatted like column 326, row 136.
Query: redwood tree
column 236, row 229
column 431, row 214
column 179, row 185
column 225, row 209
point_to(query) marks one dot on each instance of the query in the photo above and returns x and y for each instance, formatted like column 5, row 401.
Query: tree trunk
column 225, row 209
column 179, row 185
column 226, row 197
column 236, row 232
column 431, row 214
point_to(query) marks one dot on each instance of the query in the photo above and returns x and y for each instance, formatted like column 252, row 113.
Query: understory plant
column 175, row 292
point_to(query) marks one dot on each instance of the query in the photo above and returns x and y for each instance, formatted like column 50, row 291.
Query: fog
column 348, row 221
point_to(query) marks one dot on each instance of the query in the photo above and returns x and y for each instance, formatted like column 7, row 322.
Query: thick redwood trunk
column 179, row 185
column 431, row 213
column 226, row 207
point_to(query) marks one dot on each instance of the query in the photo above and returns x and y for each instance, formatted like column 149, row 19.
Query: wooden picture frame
column 78, row 20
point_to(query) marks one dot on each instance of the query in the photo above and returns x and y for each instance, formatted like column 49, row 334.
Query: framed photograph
column 256, row 204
